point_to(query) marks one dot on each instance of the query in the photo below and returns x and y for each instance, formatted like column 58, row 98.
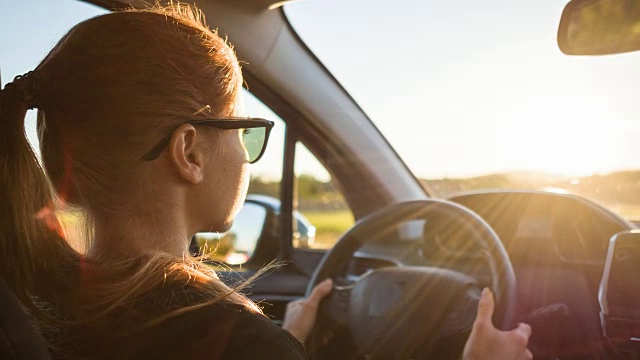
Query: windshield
column 476, row 94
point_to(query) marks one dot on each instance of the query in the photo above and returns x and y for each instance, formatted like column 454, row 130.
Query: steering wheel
column 398, row 312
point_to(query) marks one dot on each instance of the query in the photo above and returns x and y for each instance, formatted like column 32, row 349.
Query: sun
column 563, row 142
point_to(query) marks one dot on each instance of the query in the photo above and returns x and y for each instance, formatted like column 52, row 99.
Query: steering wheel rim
column 503, row 282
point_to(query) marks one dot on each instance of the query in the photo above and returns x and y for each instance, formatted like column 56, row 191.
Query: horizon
column 263, row 178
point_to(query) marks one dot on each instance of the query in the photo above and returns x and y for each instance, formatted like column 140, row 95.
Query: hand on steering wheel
column 486, row 342
column 301, row 315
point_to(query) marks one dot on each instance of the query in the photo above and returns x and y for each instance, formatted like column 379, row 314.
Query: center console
column 619, row 294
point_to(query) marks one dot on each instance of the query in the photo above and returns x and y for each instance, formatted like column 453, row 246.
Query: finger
column 528, row 355
column 295, row 303
column 320, row 291
column 523, row 329
column 486, row 306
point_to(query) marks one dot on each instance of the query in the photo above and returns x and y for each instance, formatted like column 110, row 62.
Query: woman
column 138, row 119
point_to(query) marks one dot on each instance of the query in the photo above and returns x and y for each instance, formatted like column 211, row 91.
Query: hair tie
column 28, row 87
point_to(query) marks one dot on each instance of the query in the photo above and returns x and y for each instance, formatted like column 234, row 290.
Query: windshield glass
column 476, row 94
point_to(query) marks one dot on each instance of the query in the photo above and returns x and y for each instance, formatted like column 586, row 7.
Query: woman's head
column 109, row 91
column 115, row 85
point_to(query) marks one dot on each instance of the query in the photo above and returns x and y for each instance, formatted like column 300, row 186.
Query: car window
column 322, row 213
column 476, row 95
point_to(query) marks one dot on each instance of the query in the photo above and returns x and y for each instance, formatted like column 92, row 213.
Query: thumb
column 320, row 291
column 486, row 306
column 523, row 329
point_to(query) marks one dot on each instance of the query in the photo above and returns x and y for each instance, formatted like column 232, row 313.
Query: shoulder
column 253, row 336
column 230, row 331
column 257, row 337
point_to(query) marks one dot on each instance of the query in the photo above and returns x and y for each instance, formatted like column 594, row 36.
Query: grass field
column 329, row 225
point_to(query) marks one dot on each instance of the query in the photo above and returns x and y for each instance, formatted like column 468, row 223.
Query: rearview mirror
column 236, row 246
column 600, row 27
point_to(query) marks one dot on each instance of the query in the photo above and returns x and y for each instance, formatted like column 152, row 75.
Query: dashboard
column 565, row 229
column 537, row 229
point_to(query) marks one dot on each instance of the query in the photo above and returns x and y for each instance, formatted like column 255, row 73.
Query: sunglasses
column 255, row 134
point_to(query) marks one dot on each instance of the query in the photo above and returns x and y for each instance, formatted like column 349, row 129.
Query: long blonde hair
column 112, row 86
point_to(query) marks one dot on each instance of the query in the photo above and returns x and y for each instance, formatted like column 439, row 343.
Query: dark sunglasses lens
column 253, row 140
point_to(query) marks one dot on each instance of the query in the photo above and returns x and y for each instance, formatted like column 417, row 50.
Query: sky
column 464, row 88
column 460, row 88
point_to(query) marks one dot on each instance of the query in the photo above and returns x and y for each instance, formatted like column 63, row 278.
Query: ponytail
column 35, row 257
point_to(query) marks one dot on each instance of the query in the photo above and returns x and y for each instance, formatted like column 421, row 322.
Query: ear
column 186, row 156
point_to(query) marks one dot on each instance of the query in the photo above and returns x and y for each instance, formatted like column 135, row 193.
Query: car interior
column 409, row 265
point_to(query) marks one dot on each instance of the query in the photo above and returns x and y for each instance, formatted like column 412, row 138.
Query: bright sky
column 459, row 88
column 468, row 87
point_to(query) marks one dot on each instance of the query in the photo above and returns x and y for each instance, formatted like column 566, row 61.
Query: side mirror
column 600, row 27
column 236, row 246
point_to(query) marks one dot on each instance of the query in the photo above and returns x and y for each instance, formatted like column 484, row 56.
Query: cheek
column 234, row 179
column 240, row 195
column 241, row 176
